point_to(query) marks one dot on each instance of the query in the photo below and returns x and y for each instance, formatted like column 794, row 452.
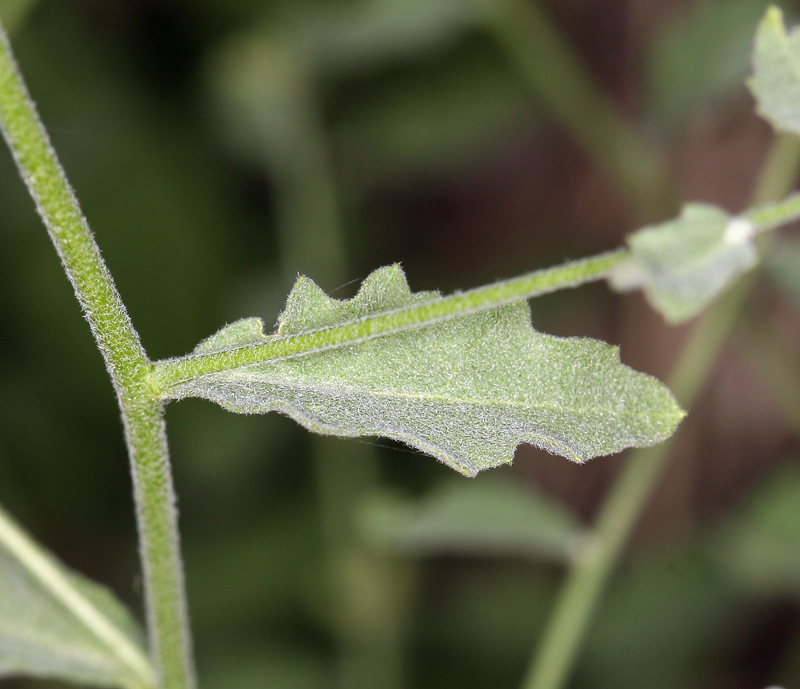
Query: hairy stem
column 558, row 649
column 127, row 363
column 772, row 215
column 572, row 274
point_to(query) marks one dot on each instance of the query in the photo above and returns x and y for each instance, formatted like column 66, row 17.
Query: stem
column 581, row 593
column 127, row 364
column 167, row 619
column 772, row 215
column 556, row 653
column 549, row 64
column 172, row 371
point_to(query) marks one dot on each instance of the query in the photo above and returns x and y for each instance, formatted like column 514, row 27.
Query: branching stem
column 172, row 371
column 127, row 363
column 576, row 604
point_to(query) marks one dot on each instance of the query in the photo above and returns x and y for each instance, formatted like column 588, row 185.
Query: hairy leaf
column 775, row 83
column 683, row 264
column 57, row 623
column 484, row 517
column 466, row 390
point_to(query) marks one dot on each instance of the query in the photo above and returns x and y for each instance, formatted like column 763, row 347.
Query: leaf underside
column 40, row 637
column 775, row 83
column 684, row 264
column 466, row 390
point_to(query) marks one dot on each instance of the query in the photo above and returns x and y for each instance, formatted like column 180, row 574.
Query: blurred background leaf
column 211, row 142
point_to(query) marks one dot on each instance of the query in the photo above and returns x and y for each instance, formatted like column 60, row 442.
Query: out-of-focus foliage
column 486, row 517
column 761, row 547
column 431, row 148
column 699, row 57
column 783, row 269
column 775, row 82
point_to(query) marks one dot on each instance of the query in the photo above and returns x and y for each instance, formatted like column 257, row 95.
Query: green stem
column 172, row 371
column 581, row 593
column 557, row 651
column 773, row 215
column 127, row 363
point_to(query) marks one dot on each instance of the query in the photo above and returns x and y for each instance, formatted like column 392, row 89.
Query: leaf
column 684, row 264
column 700, row 57
column 466, row 390
column 56, row 623
column 775, row 83
column 761, row 548
column 485, row 517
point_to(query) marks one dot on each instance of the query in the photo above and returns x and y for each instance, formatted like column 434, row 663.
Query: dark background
column 218, row 147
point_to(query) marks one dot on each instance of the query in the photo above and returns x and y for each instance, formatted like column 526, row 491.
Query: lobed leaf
column 56, row 623
column 775, row 83
column 684, row 264
column 466, row 390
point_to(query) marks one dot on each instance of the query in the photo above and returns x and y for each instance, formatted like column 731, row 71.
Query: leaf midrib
column 478, row 402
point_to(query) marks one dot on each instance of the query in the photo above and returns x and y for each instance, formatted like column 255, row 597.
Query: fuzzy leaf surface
column 684, row 264
column 466, row 390
column 41, row 634
column 775, row 83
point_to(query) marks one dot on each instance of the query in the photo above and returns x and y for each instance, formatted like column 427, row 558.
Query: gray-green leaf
column 775, row 83
column 683, row 264
column 56, row 623
column 466, row 390
column 483, row 517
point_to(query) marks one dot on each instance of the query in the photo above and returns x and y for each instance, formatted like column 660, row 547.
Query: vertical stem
column 167, row 618
column 559, row 647
column 128, row 366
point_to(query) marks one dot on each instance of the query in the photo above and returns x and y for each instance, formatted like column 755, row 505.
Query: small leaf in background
column 432, row 121
column 700, row 57
column 761, row 549
column 775, row 83
column 56, row 623
column 684, row 264
column 782, row 268
column 466, row 390
column 482, row 517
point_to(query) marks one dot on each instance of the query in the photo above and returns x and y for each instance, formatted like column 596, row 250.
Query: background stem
column 558, row 649
column 550, row 66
